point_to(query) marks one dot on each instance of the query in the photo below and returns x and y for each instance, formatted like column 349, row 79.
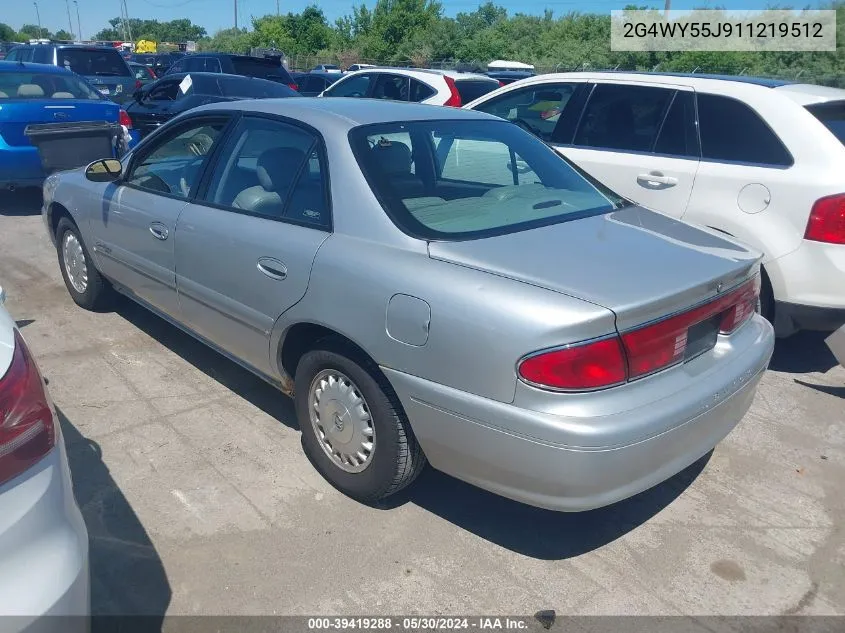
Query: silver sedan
column 431, row 285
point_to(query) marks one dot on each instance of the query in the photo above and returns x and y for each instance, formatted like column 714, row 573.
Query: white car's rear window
column 832, row 114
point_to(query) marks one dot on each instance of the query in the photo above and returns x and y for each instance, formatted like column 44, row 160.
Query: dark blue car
column 41, row 93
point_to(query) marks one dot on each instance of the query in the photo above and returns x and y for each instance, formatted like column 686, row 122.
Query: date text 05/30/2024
column 418, row 623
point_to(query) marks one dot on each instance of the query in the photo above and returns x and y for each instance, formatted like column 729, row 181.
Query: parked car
column 355, row 67
column 505, row 77
column 513, row 322
column 326, row 68
column 434, row 87
column 313, row 83
column 43, row 540
column 142, row 73
column 102, row 66
column 41, row 93
column 758, row 159
column 260, row 67
column 174, row 94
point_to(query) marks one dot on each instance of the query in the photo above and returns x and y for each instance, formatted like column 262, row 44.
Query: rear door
column 391, row 87
column 244, row 250
column 640, row 140
column 134, row 233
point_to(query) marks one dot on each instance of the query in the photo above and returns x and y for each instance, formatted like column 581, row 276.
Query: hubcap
column 75, row 265
column 341, row 420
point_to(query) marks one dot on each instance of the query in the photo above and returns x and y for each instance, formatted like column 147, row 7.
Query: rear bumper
column 20, row 166
column 805, row 317
column 604, row 454
column 43, row 551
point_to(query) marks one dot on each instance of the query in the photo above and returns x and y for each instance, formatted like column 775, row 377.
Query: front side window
column 27, row 85
column 732, row 131
column 272, row 169
column 623, row 117
column 461, row 179
column 678, row 135
column 352, row 87
column 536, row 108
column 174, row 165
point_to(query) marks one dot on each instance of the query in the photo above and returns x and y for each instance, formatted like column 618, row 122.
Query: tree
column 227, row 41
column 176, row 31
column 32, row 31
column 7, row 33
column 61, row 34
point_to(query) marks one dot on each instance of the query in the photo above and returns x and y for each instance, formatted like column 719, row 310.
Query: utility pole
column 78, row 21
column 666, row 8
column 277, row 8
column 236, row 15
column 38, row 15
column 69, row 21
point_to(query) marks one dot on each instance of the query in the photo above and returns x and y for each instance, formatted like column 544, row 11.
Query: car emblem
column 118, row 88
column 61, row 116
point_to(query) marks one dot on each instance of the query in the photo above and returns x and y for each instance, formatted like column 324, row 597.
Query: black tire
column 397, row 458
column 98, row 291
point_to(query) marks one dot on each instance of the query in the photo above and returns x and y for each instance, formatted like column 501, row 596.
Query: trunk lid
column 641, row 265
column 16, row 115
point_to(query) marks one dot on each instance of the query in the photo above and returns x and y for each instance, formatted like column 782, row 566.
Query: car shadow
column 803, row 353
column 228, row 373
column 534, row 532
column 127, row 575
column 25, row 201
column 828, row 389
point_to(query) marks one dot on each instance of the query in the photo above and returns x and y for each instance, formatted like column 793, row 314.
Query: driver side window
column 535, row 108
column 173, row 165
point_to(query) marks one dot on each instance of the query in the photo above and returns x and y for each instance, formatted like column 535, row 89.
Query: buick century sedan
column 431, row 286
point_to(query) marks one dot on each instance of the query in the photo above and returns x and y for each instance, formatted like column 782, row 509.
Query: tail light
column 827, row 220
column 454, row 99
column 26, row 421
column 501, row 84
column 124, row 119
column 636, row 353
column 138, row 84
column 294, row 87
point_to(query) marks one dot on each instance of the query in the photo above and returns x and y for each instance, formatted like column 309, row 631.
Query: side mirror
column 105, row 170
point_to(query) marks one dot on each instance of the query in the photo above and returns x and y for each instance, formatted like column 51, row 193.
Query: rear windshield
column 833, row 116
column 18, row 85
column 88, row 62
column 265, row 68
column 471, row 89
column 252, row 88
column 464, row 179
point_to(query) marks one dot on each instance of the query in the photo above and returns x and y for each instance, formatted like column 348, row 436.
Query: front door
column 134, row 232
column 641, row 141
column 245, row 247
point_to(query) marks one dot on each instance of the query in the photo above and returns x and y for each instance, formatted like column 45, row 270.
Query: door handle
column 655, row 177
column 159, row 231
column 273, row 268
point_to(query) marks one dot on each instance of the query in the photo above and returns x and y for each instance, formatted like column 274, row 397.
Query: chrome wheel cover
column 341, row 421
column 74, row 260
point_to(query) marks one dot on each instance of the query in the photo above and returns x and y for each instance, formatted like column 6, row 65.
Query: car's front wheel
column 353, row 427
column 86, row 286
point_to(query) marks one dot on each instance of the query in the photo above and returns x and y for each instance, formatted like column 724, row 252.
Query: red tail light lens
column 454, row 99
column 124, row 119
column 138, row 84
column 664, row 343
column 294, row 87
column 827, row 220
column 590, row 366
column 501, row 84
column 26, row 420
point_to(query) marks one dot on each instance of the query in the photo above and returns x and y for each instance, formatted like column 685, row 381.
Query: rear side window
column 263, row 68
column 391, row 87
column 42, row 55
column 833, row 117
column 420, row 91
column 194, row 64
column 732, row 131
column 623, row 117
column 99, row 62
column 471, row 89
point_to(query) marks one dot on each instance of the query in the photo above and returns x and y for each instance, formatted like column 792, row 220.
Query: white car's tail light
column 827, row 220
column 26, row 421
column 454, row 99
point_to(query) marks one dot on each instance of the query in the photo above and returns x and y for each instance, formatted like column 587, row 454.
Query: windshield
column 258, row 67
column 833, row 117
column 89, row 62
column 461, row 179
column 27, row 85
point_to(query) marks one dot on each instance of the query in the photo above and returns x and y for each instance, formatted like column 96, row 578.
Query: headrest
column 277, row 167
column 30, row 90
column 62, row 95
column 3, row 95
column 393, row 159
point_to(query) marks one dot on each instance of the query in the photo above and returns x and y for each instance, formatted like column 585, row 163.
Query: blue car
column 41, row 93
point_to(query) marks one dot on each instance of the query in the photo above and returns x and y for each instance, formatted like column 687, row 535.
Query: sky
column 217, row 14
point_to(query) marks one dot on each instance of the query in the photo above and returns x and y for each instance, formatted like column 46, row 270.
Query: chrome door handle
column 656, row 177
column 159, row 231
column 273, row 268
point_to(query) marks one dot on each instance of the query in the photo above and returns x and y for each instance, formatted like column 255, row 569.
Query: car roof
column 344, row 114
column 457, row 75
column 14, row 66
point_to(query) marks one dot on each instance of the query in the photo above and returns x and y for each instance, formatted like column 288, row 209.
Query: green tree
column 32, row 31
column 61, row 34
column 7, row 33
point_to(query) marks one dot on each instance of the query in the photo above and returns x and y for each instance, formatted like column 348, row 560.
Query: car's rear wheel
column 86, row 286
column 353, row 427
